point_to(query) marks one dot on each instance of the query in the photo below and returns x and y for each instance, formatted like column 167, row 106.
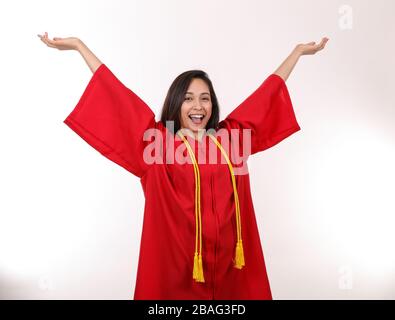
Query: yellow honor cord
column 239, row 251
column 197, row 273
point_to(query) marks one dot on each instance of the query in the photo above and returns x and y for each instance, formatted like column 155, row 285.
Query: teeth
column 198, row 116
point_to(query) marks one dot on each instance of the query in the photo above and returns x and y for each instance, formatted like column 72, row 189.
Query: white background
column 70, row 219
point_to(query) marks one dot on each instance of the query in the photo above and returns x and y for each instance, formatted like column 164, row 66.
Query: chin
column 199, row 128
column 195, row 128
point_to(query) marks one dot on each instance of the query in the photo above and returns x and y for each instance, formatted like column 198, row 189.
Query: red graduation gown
column 112, row 119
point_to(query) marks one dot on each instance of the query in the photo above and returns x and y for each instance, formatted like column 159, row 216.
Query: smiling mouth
column 196, row 118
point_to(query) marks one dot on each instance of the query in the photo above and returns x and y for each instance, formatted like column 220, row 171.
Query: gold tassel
column 198, row 268
column 200, row 276
column 195, row 267
column 239, row 255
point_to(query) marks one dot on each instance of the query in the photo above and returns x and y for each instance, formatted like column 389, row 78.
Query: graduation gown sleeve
column 268, row 112
column 112, row 119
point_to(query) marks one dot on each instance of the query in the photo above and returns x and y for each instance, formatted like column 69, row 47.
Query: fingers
column 323, row 43
column 46, row 40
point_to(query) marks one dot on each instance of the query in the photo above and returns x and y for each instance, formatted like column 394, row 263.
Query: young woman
column 200, row 238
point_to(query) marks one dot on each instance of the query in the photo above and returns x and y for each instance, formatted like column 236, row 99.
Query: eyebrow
column 192, row 93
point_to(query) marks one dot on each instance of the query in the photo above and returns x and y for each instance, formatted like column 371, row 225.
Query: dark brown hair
column 171, row 110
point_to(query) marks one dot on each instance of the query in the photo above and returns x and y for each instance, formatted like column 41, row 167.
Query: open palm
column 69, row 43
column 312, row 47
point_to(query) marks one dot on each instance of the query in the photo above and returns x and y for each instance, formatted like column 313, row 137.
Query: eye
column 187, row 98
column 205, row 98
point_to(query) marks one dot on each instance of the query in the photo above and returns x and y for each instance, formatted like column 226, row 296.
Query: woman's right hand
column 73, row 43
column 70, row 43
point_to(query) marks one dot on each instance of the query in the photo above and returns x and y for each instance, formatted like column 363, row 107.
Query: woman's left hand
column 284, row 70
column 311, row 47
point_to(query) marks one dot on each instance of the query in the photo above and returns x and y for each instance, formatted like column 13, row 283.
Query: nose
column 197, row 107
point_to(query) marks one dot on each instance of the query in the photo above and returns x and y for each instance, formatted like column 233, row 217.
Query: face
column 197, row 106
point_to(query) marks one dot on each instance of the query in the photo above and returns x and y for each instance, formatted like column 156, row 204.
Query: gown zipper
column 216, row 233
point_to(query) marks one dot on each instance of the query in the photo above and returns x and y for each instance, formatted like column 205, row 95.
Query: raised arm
column 109, row 116
column 73, row 43
column 285, row 69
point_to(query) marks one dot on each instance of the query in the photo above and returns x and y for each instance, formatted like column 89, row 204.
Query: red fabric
column 112, row 119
